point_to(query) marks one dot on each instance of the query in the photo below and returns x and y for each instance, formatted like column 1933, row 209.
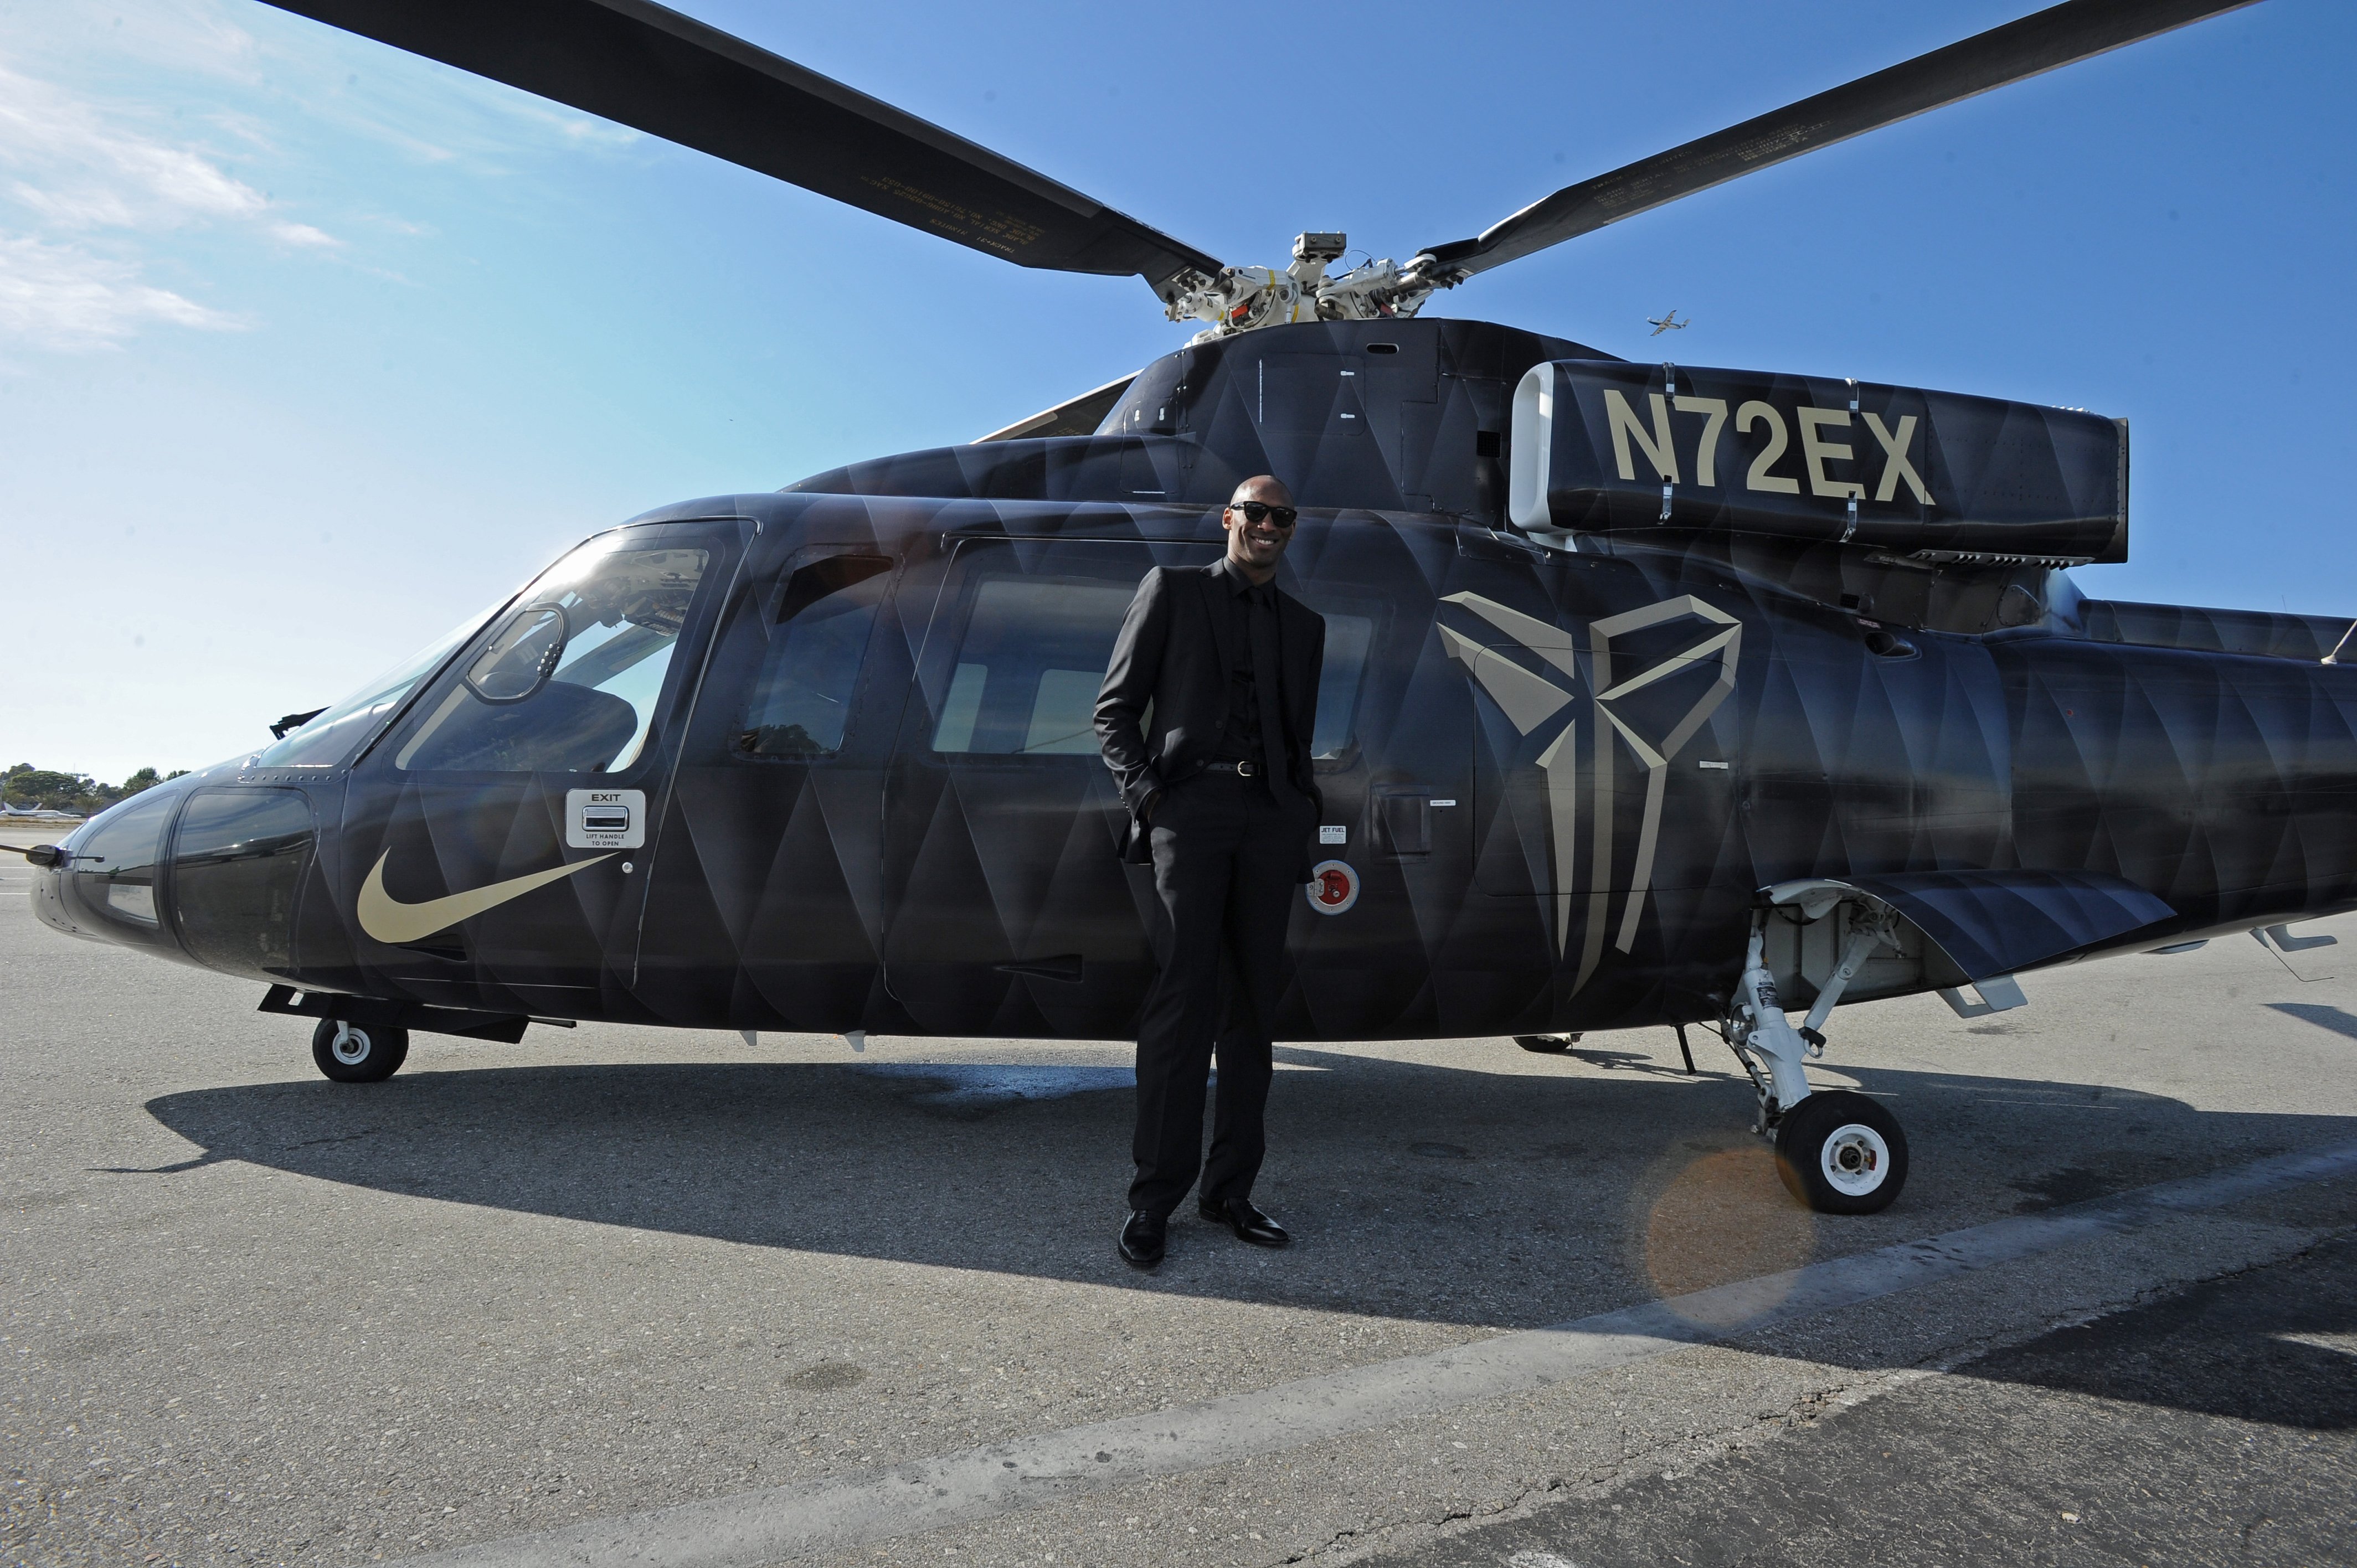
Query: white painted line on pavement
column 753, row 1528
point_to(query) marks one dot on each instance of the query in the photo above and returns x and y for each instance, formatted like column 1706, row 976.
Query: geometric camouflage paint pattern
column 1566, row 774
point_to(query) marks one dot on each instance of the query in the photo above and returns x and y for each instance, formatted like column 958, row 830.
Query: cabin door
column 496, row 840
column 761, row 900
column 1007, row 910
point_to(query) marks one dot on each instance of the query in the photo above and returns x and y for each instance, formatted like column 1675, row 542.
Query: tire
column 1547, row 1045
column 1841, row 1153
column 370, row 1055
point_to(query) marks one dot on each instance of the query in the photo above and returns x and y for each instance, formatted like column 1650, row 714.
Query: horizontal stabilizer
column 2266, row 634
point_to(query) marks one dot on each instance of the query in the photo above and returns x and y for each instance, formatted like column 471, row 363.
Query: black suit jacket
column 1174, row 654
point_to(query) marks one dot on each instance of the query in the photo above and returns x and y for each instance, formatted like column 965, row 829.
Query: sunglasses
column 1259, row 512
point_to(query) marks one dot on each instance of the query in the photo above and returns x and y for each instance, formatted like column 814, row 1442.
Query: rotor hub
column 1244, row 299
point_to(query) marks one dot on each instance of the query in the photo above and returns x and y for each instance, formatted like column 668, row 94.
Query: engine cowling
column 1604, row 446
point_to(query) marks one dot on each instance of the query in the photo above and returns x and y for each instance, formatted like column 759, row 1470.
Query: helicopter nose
column 100, row 883
column 38, row 860
column 49, row 897
column 50, row 900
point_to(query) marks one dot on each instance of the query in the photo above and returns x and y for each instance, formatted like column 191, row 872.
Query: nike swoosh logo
column 391, row 921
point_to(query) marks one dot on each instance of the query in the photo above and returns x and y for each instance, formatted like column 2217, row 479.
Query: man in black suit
column 1221, row 799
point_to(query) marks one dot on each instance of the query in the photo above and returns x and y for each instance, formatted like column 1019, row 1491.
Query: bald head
column 1265, row 487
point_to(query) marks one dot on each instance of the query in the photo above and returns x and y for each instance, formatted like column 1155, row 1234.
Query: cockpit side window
column 567, row 681
column 817, row 629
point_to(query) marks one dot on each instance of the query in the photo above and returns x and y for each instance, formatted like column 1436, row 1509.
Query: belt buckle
column 1247, row 770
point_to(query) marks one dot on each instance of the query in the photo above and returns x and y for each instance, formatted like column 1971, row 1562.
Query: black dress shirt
column 1244, row 601
column 1255, row 728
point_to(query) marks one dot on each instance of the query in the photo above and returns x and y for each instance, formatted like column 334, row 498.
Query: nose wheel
column 355, row 1053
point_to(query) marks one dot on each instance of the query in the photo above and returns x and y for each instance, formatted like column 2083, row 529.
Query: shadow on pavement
column 2340, row 1020
column 2281, row 1349
column 1440, row 1193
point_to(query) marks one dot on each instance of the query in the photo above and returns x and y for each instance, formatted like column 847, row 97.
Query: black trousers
column 1225, row 856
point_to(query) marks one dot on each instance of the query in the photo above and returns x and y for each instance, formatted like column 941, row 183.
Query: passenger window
column 569, row 681
column 1029, row 668
column 1034, row 657
column 1348, row 639
column 801, row 701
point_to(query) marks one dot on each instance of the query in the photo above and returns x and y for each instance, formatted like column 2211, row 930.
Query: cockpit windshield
column 569, row 679
column 331, row 738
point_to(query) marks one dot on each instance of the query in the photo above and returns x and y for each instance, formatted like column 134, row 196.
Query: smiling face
column 1258, row 547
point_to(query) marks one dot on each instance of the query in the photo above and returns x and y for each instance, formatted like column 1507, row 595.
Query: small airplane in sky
column 1669, row 323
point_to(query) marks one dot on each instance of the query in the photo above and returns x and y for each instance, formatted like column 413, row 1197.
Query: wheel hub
column 351, row 1045
column 1855, row 1159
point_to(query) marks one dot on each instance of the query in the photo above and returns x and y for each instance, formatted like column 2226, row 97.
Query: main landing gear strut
column 1837, row 1151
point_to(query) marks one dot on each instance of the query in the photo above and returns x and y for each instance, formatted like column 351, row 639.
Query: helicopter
column 1653, row 695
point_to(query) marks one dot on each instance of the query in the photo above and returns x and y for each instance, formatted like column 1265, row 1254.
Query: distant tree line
column 25, row 784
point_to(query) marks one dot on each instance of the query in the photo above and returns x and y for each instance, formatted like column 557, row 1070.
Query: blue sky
column 309, row 349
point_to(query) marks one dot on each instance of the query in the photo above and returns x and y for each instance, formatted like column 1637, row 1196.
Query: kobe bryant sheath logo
column 1622, row 721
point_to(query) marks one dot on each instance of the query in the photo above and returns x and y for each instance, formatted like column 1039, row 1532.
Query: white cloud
column 199, row 38
column 151, row 118
column 64, row 297
column 303, row 234
column 83, row 172
column 81, row 168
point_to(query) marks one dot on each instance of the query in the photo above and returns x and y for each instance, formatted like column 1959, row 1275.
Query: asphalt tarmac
column 2217, row 1426
column 812, row 1302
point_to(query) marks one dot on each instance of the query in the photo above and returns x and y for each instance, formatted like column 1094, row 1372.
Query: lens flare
column 1720, row 1217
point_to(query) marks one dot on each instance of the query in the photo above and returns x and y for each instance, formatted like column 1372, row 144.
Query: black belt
column 1246, row 770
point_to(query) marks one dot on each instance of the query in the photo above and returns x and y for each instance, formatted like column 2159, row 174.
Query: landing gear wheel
column 1547, row 1045
column 1841, row 1153
column 352, row 1053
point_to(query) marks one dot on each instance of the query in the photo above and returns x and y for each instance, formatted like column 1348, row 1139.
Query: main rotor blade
column 671, row 76
column 2040, row 42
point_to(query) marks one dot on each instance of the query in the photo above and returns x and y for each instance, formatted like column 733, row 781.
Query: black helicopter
column 1654, row 694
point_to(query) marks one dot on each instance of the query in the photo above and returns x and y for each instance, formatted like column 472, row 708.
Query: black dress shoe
column 1249, row 1223
column 1141, row 1236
